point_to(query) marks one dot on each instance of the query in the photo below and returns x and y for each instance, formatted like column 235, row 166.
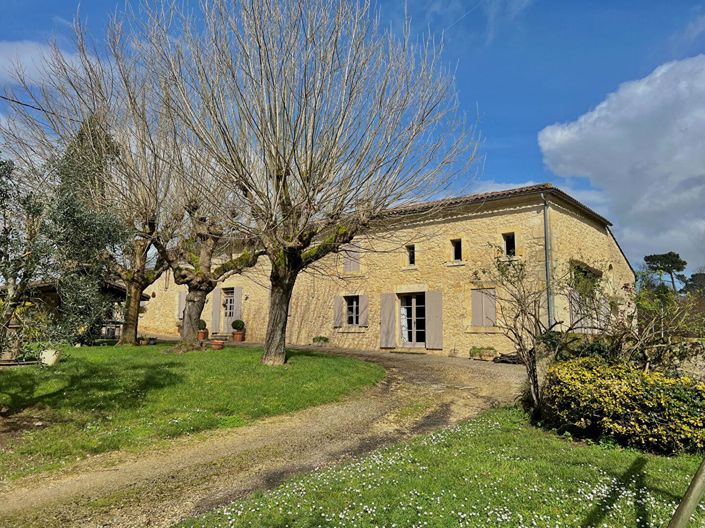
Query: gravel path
column 420, row 393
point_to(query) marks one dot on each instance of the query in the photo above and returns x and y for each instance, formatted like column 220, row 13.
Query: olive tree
column 316, row 119
column 24, row 245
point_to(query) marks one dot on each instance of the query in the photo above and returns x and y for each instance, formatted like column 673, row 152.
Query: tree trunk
column 131, row 314
column 7, row 345
column 195, row 300
column 279, row 298
column 535, row 389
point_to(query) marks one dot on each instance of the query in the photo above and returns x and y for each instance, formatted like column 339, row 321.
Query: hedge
column 592, row 398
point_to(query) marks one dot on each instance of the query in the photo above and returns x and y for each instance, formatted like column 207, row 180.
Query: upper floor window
column 411, row 255
column 351, row 261
column 510, row 248
column 457, row 247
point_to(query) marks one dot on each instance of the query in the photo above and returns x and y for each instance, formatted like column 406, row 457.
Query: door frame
column 414, row 306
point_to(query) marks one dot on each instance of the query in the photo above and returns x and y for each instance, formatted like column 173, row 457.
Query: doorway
column 413, row 319
column 228, row 308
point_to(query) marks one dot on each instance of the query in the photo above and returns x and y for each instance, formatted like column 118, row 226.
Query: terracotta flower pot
column 217, row 344
column 239, row 336
column 202, row 335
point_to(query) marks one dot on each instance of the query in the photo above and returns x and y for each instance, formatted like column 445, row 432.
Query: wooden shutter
column 489, row 307
column 434, row 320
column 338, row 307
column 477, row 311
column 237, row 303
column 387, row 312
column 484, row 307
column 364, row 310
column 180, row 305
column 216, row 305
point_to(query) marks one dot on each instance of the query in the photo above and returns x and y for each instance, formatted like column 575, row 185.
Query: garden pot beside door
column 217, row 344
column 202, row 335
column 239, row 336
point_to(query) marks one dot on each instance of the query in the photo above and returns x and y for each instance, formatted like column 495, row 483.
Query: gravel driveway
column 420, row 393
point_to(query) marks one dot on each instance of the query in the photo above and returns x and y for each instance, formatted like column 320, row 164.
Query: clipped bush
column 202, row 325
column 589, row 397
column 238, row 325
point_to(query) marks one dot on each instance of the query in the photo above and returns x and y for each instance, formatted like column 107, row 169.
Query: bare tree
column 109, row 95
column 316, row 119
column 205, row 251
column 522, row 313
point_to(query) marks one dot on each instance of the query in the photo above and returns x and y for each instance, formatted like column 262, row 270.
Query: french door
column 228, row 307
column 413, row 319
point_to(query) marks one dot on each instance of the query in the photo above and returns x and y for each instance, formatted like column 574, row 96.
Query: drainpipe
column 547, row 255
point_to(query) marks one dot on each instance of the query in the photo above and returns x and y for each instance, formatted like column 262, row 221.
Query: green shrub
column 202, row 325
column 591, row 398
column 320, row 340
column 238, row 325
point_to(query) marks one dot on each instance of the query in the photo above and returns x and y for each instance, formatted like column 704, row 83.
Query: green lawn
column 106, row 398
column 494, row 471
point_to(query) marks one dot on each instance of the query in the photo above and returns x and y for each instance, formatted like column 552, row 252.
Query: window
column 484, row 307
column 509, row 244
column 411, row 255
column 351, row 261
column 352, row 310
column 457, row 249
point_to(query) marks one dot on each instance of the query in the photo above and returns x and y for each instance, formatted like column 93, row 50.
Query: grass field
column 108, row 398
column 495, row 471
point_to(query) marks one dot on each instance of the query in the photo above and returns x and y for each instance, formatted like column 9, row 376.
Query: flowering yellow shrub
column 652, row 411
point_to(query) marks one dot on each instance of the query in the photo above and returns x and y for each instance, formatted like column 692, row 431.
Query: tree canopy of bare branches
column 315, row 119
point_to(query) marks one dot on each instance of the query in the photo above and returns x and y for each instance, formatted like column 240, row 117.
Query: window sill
column 351, row 330
column 455, row 264
column 409, row 268
column 470, row 329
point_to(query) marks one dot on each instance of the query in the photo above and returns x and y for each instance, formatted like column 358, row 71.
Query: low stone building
column 417, row 285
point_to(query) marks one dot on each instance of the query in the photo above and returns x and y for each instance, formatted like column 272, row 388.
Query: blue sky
column 606, row 99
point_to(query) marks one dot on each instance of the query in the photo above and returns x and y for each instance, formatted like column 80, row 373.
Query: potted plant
column 202, row 330
column 238, row 330
column 217, row 344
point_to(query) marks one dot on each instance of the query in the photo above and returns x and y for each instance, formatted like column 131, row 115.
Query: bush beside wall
column 592, row 398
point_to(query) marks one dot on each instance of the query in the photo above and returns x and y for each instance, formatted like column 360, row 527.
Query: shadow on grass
column 633, row 478
column 84, row 385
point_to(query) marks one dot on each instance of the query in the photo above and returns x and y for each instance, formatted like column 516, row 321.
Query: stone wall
column 383, row 269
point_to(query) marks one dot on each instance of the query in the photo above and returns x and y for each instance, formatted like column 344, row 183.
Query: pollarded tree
column 316, row 120
column 204, row 251
column 104, row 104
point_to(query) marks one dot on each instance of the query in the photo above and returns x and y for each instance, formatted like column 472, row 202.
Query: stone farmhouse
column 415, row 285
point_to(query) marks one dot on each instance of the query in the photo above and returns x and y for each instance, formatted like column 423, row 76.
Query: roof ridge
column 493, row 195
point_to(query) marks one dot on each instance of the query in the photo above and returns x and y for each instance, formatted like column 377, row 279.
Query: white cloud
column 694, row 29
column 29, row 55
column 644, row 147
